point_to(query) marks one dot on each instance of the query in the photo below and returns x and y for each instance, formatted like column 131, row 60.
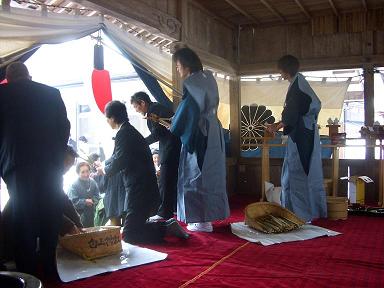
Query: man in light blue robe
column 302, row 175
column 202, row 196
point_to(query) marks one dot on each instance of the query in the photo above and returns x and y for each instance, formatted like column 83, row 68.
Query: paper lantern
column 101, row 81
column 101, row 85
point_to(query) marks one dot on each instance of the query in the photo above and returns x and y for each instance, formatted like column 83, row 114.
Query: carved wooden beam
column 303, row 9
column 252, row 18
column 333, row 7
column 138, row 13
column 273, row 10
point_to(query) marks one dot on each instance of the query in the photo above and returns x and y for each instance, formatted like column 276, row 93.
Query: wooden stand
column 265, row 167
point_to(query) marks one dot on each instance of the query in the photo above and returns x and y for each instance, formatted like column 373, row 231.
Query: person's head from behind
column 116, row 114
column 69, row 159
column 17, row 71
column 140, row 102
column 83, row 170
column 187, row 62
column 288, row 66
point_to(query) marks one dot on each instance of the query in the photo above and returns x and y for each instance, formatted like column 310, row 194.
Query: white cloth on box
column 272, row 193
column 306, row 232
column 72, row 267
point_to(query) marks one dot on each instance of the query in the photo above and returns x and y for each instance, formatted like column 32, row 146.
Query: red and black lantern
column 101, row 80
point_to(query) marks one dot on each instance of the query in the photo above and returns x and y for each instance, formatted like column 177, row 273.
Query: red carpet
column 220, row 259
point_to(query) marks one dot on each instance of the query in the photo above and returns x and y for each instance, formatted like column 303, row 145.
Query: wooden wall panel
column 378, row 42
column 208, row 33
column 353, row 39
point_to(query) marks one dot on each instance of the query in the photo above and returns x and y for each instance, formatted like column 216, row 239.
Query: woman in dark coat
column 84, row 194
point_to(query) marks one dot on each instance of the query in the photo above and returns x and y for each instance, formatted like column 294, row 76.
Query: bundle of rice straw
column 271, row 218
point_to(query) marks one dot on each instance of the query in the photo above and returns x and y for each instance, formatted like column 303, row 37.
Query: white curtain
column 22, row 30
column 151, row 57
column 223, row 111
column 272, row 94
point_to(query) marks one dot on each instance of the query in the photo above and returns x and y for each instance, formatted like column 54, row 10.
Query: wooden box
column 94, row 242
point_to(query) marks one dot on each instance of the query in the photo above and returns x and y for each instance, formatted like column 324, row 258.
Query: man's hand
column 272, row 128
column 74, row 230
column 100, row 170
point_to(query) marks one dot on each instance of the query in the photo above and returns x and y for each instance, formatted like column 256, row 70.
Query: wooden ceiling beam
column 252, row 18
column 303, row 9
column 273, row 10
column 333, row 7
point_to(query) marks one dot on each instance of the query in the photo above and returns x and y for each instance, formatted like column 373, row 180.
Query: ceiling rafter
column 252, row 18
column 333, row 7
column 273, row 10
column 303, row 9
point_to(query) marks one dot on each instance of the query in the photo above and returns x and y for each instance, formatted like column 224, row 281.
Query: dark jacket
column 34, row 128
column 169, row 144
column 133, row 158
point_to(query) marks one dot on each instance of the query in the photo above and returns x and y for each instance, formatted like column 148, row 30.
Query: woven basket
column 94, row 242
column 255, row 213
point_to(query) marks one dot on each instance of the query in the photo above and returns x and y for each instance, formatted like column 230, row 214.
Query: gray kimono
column 201, row 189
column 302, row 176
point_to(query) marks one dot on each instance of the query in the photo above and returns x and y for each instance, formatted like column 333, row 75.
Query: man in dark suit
column 169, row 152
column 133, row 158
column 34, row 131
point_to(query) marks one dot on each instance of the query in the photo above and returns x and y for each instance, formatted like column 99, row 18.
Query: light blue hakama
column 202, row 195
column 304, row 194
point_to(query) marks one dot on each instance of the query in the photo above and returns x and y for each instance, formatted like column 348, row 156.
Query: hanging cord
column 180, row 95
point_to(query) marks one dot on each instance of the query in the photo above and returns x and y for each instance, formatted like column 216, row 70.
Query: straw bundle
column 271, row 218
column 94, row 242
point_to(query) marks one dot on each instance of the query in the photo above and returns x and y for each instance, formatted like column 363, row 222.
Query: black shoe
column 173, row 228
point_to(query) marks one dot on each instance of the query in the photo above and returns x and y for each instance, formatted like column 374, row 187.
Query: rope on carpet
column 212, row 266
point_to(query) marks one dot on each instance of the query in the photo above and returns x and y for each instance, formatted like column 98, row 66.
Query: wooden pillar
column 335, row 171
column 235, row 115
column 369, row 107
column 177, row 83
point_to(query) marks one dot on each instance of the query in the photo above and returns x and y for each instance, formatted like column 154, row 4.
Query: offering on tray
column 376, row 131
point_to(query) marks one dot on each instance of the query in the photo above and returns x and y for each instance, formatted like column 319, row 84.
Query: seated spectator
column 156, row 162
column 84, row 194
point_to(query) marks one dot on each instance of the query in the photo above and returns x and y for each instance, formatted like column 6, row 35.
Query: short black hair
column 116, row 110
column 81, row 164
column 289, row 64
column 188, row 58
column 140, row 96
column 94, row 157
column 17, row 71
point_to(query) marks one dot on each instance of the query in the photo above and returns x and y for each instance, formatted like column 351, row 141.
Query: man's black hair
column 289, row 64
column 188, row 59
column 116, row 110
column 140, row 96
